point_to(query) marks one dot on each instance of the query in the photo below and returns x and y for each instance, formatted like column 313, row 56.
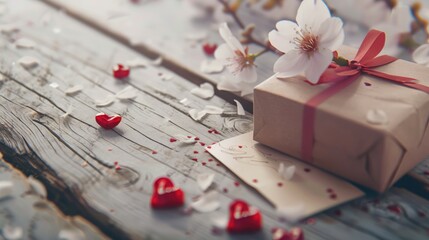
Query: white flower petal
column 280, row 41
column 224, row 53
column 248, row 74
column 312, row 13
column 220, row 222
column 157, row 62
column 210, row 109
column 185, row 139
column 105, row 102
column 71, row 233
column 240, row 109
column 205, row 91
column 402, row 18
column 197, row 115
column 318, row 63
column 184, row 101
column 229, row 38
column 331, row 33
column 291, row 64
column 291, row 213
column 207, row 203
column 9, row 28
column 211, row 66
column 376, row 117
column 229, row 84
column 12, row 232
column 6, row 188
column 37, row 187
column 24, row 43
column 126, row 93
column 68, row 112
column 205, row 180
column 73, row 90
column 28, row 62
column 421, row 54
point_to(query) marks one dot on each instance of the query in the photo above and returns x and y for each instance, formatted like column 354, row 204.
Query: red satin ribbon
column 342, row 76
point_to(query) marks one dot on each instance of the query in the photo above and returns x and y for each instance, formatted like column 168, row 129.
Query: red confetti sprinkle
column 204, row 163
column 106, row 121
column 189, row 136
column 279, row 184
column 209, row 147
column 202, row 144
column 225, row 190
column 173, row 140
column 115, row 163
column 214, row 131
column 210, row 159
column 421, row 214
column 195, row 159
column 243, row 218
column 121, row 71
column 426, row 173
column 236, row 184
column 195, row 152
column 338, row 213
column 333, row 196
column 109, row 149
column 154, row 152
column 218, row 164
column 117, row 167
column 395, row 208
column 197, row 139
column 166, row 195
column 367, row 84
column 311, row 221
column 209, row 49
column 240, row 146
column 307, row 169
column 330, row 190
column 255, row 180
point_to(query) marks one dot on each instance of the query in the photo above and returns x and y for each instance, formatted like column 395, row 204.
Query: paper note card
column 295, row 188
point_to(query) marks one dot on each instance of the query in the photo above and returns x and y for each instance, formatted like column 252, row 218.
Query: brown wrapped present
column 371, row 132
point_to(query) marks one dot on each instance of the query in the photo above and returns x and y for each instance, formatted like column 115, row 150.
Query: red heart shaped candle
column 106, row 121
column 166, row 195
column 243, row 218
column 121, row 71
column 209, row 49
column 294, row 234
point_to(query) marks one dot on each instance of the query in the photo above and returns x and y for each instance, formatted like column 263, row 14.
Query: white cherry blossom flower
column 309, row 43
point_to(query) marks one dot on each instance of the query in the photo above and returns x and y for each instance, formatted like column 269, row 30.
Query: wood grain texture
column 36, row 140
column 146, row 27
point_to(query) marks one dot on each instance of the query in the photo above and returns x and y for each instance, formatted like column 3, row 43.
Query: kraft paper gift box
column 346, row 142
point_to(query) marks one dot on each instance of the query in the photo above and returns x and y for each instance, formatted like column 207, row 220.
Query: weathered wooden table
column 75, row 159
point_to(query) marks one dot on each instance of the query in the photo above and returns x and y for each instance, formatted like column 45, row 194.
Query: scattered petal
column 68, row 112
column 291, row 213
column 240, row 109
column 184, row 101
column 54, row 85
column 6, row 188
column 24, row 43
column 205, row 91
column 11, row 232
column 166, row 76
column 211, row 66
column 286, row 173
column 37, row 187
column 71, row 233
column 205, row 180
column 137, row 63
column 207, row 202
column 220, row 222
column 184, row 139
column 197, row 115
column 105, row 102
column 376, row 117
column 8, row 28
column 73, row 90
column 157, row 62
column 28, row 62
column 127, row 93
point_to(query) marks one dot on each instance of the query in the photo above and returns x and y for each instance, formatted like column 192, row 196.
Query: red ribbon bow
column 342, row 76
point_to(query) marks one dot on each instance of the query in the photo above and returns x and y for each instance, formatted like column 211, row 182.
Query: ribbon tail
column 309, row 115
column 417, row 86
column 390, row 77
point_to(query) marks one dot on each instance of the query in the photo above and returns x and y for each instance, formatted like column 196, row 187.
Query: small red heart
column 243, row 218
column 106, row 121
column 121, row 71
column 294, row 234
column 166, row 195
column 209, row 49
